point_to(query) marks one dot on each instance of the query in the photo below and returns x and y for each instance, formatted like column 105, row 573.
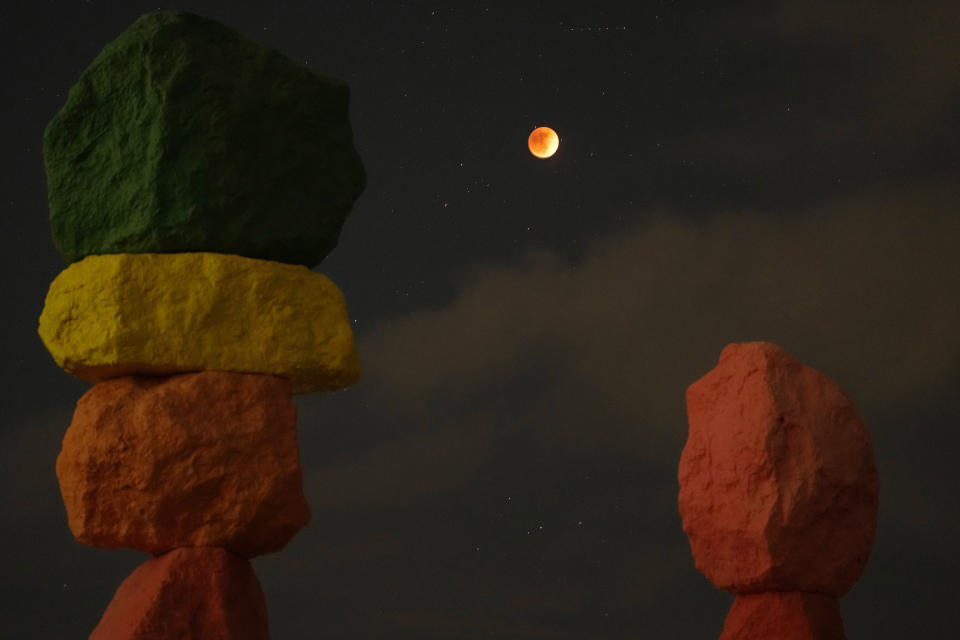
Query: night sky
column 727, row 172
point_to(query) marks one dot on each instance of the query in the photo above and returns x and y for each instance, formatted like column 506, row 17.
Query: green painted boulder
column 182, row 135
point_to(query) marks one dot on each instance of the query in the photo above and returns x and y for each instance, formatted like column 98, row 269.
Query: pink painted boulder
column 778, row 486
column 783, row 615
column 200, row 592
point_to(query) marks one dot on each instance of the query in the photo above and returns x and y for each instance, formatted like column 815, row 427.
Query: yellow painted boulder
column 157, row 313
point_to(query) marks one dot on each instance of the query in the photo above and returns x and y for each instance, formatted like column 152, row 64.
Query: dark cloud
column 622, row 333
column 909, row 82
column 801, row 102
column 409, row 468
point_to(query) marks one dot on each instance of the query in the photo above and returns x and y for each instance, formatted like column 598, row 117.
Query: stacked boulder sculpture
column 778, row 493
column 194, row 179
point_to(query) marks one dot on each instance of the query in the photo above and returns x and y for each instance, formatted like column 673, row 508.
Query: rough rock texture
column 182, row 135
column 188, row 593
column 114, row 315
column 778, row 487
column 204, row 459
column 786, row 615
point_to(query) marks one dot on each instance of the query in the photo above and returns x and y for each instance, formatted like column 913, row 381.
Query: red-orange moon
column 543, row 142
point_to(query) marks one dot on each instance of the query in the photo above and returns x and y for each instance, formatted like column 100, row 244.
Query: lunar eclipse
column 543, row 142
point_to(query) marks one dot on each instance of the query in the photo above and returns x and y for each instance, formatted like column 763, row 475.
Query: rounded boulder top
column 182, row 135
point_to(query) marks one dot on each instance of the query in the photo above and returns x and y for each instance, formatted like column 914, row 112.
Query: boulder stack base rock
column 783, row 615
column 198, row 593
column 778, row 491
column 194, row 178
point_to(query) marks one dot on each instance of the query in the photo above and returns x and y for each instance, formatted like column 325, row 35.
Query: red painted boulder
column 202, row 592
column 778, row 486
column 205, row 459
column 783, row 615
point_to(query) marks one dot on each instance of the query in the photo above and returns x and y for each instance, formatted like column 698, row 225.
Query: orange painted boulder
column 205, row 459
column 784, row 615
column 778, row 485
column 187, row 593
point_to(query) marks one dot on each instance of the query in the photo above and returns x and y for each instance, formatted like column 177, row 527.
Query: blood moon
column 543, row 142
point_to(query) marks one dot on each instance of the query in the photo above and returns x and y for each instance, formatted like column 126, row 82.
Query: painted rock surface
column 154, row 313
column 184, row 136
column 187, row 593
column 778, row 486
column 783, row 615
column 196, row 460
